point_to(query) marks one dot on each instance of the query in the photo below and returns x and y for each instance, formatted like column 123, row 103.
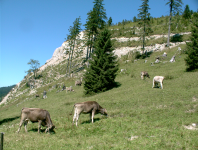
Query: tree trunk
column 72, row 55
column 168, row 40
column 143, row 39
column 68, row 62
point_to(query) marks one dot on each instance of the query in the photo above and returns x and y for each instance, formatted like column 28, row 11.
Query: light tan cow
column 69, row 89
column 158, row 79
column 89, row 107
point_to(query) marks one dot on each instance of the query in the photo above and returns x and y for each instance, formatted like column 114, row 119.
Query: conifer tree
column 192, row 47
column 187, row 12
column 72, row 37
column 95, row 22
column 175, row 7
column 144, row 22
column 101, row 74
column 110, row 21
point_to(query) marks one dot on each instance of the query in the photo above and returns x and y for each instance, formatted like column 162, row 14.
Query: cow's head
column 104, row 111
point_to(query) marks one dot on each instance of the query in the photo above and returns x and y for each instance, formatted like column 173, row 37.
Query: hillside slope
column 140, row 117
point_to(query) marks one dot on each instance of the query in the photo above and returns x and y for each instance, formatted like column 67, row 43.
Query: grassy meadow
column 139, row 116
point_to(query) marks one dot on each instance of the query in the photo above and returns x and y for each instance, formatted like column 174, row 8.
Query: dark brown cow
column 36, row 115
column 90, row 107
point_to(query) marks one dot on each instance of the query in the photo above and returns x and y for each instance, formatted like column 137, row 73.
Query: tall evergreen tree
column 110, row 21
column 72, row 37
column 187, row 12
column 95, row 22
column 175, row 6
column 192, row 47
column 68, row 52
column 144, row 22
column 101, row 74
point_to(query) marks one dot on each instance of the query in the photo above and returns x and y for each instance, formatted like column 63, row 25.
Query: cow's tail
column 72, row 110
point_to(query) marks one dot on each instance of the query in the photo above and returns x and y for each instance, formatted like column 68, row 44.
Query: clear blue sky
column 33, row 29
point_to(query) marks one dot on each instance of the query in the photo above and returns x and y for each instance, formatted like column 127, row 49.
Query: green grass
column 135, row 109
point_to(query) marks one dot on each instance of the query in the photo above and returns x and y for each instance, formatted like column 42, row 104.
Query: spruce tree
column 72, row 37
column 175, row 7
column 101, row 74
column 95, row 22
column 144, row 22
column 109, row 22
column 187, row 12
column 192, row 47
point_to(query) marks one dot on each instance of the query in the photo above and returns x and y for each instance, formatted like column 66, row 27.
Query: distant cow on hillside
column 69, row 89
column 158, row 79
column 78, row 82
column 144, row 74
column 36, row 115
column 89, row 107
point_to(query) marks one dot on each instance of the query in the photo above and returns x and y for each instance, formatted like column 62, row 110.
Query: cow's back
column 34, row 114
column 87, row 107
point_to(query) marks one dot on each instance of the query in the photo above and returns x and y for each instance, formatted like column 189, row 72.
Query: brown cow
column 36, row 115
column 78, row 82
column 90, row 107
column 144, row 74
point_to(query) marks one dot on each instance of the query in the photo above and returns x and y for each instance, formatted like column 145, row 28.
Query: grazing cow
column 90, row 107
column 158, row 79
column 144, row 74
column 36, row 115
column 69, row 89
column 173, row 59
column 157, row 60
column 79, row 82
column 165, row 54
column 44, row 94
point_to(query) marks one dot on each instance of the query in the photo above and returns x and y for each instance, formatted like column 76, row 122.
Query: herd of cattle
column 43, row 117
column 90, row 107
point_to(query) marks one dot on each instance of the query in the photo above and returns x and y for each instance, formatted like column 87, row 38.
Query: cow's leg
column 39, row 125
column 77, row 117
column 161, row 85
column 74, row 118
column 153, row 84
column 93, row 112
column 25, row 124
column 47, row 130
column 21, row 123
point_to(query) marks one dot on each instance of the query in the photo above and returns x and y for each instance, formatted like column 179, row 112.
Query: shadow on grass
column 8, row 119
column 88, row 121
column 41, row 130
column 110, row 87
column 115, row 85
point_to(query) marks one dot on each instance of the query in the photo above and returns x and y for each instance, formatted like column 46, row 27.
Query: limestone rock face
column 60, row 52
